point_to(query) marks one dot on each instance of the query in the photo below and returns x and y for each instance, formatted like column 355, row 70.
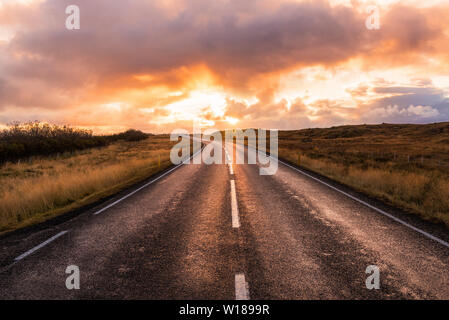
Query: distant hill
column 406, row 165
column 353, row 144
column 435, row 131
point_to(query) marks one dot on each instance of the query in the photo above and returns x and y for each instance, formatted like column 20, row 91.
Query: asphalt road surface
column 227, row 232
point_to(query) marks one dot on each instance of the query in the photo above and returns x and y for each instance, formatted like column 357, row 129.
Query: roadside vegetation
column 24, row 140
column 406, row 166
column 35, row 189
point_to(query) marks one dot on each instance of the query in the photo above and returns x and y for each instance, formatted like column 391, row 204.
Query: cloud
column 141, row 52
column 390, row 112
column 142, row 37
column 406, row 104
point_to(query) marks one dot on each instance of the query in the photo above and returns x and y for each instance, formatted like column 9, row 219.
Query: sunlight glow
column 232, row 120
column 196, row 105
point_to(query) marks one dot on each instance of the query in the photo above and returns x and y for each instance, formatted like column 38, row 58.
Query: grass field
column 404, row 165
column 38, row 189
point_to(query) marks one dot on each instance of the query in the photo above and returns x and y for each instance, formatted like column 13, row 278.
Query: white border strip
column 424, row 233
column 241, row 287
column 145, row 185
column 43, row 244
column 234, row 207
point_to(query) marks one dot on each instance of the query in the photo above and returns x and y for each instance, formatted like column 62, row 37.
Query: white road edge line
column 145, row 185
column 227, row 157
column 234, row 207
column 424, row 233
column 241, row 287
column 26, row 254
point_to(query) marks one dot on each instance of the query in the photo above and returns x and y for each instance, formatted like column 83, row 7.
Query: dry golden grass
column 405, row 165
column 418, row 187
column 34, row 191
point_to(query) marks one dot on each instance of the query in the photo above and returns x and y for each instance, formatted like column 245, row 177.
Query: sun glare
column 198, row 104
column 232, row 120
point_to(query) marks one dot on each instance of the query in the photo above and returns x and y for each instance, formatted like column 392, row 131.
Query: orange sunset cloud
column 159, row 65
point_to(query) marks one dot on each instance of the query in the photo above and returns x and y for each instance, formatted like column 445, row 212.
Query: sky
column 159, row 65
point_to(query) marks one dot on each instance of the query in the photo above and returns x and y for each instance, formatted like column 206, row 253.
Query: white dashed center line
column 234, row 207
column 241, row 287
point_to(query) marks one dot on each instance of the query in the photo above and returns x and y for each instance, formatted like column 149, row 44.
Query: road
column 226, row 232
